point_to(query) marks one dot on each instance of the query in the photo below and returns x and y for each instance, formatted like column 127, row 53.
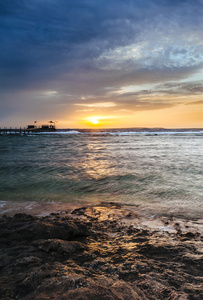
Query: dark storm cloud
column 36, row 35
column 47, row 33
column 147, row 99
column 186, row 88
column 83, row 47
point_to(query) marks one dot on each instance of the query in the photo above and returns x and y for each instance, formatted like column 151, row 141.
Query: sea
column 155, row 170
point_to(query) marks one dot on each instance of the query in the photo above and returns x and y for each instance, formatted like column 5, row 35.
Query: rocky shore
column 107, row 251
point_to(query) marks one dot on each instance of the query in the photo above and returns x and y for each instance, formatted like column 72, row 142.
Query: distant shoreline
column 139, row 129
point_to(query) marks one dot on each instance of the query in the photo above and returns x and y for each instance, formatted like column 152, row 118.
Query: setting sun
column 93, row 120
column 98, row 121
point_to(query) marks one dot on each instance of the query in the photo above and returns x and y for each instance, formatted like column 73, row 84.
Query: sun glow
column 97, row 121
column 93, row 120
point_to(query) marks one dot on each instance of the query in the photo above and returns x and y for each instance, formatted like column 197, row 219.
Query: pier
column 21, row 131
column 30, row 129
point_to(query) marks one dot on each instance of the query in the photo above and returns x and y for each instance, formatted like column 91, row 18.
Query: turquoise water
column 160, row 170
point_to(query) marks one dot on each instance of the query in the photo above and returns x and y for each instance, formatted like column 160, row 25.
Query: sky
column 101, row 63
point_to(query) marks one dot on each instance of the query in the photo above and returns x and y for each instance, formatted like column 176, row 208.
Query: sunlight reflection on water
column 156, row 171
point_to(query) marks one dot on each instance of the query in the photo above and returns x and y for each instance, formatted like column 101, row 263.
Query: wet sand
column 105, row 251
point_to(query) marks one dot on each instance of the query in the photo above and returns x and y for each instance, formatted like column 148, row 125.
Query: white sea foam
column 2, row 203
column 60, row 132
column 109, row 132
column 154, row 132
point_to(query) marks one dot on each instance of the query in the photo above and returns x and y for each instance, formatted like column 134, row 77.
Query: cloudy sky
column 107, row 63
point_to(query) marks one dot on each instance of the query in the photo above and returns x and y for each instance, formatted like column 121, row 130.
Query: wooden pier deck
column 22, row 131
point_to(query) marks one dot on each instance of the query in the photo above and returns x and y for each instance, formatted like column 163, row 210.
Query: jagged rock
column 77, row 256
column 22, row 227
column 60, row 246
column 95, row 292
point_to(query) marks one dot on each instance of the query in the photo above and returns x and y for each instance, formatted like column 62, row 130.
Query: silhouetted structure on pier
column 30, row 129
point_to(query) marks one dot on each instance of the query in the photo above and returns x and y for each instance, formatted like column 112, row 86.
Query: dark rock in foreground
column 97, row 253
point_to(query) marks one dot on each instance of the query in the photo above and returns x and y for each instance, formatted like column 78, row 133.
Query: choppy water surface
column 154, row 170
